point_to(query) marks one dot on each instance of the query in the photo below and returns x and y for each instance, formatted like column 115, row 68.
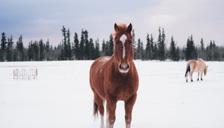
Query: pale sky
column 36, row 19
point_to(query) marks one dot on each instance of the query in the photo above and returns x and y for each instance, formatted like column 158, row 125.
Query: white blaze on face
column 123, row 39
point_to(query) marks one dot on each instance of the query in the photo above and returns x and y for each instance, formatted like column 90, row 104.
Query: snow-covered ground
column 57, row 95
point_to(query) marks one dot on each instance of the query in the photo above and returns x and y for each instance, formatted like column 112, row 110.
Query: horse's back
column 98, row 64
column 197, row 65
column 201, row 61
column 201, row 64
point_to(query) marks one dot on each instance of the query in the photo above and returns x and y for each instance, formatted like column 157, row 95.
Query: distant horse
column 198, row 66
column 115, row 78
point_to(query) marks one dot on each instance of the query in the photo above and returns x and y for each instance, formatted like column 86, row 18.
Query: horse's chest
column 122, row 91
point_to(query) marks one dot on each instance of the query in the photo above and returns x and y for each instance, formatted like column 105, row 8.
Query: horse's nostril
column 124, row 66
column 127, row 65
column 120, row 66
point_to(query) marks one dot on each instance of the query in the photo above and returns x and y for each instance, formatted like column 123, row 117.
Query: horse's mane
column 200, row 59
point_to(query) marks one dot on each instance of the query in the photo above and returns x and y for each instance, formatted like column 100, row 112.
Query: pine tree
column 109, row 46
column 36, row 51
column 172, row 49
column 33, row 51
column 76, row 48
column 202, row 44
column 82, row 47
column 64, row 44
column 217, row 54
column 9, row 49
column 161, row 45
column 68, row 46
column 20, row 49
column 201, row 51
column 148, row 49
column 177, row 58
column 154, row 48
column 213, row 52
column 140, row 50
column 97, row 50
column 91, row 49
column 210, row 51
column 104, row 48
column 190, row 52
column 62, row 54
column 3, row 42
column 3, row 47
column 30, row 51
column 48, row 54
column 41, row 52
column 86, row 45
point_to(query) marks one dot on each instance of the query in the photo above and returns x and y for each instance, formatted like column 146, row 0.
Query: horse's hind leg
column 99, row 103
column 198, row 76
column 187, row 74
column 128, row 110
column 191, row 75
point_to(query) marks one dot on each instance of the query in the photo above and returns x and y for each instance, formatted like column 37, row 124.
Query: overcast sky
column 36, row 19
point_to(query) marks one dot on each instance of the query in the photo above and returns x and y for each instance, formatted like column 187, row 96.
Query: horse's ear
column 116, row 27
column 129, row 29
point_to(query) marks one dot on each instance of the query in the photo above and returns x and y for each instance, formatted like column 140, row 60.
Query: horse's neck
column 113, row 64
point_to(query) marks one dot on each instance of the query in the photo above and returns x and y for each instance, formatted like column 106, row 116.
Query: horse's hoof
column 198, row 79
column 191, row 80
column 201, row 79
column 186, row 81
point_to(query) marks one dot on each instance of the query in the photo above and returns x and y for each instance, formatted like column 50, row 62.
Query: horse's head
column 123, row 47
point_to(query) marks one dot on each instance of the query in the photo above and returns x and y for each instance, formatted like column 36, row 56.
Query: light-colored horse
column 198, row 66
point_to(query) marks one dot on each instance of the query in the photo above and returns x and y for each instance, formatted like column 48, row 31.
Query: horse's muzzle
column 123, row 68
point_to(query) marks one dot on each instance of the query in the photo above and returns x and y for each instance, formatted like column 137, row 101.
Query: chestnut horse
column 115, row 78
column 198, row 66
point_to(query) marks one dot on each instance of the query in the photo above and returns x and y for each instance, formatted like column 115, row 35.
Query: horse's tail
column 187, row 69
column 95, row 109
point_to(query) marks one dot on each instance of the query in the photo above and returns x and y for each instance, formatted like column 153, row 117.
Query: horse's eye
column 130, row 42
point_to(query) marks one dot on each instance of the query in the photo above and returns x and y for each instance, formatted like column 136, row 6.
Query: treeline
column 75, row 47
column 158, row 49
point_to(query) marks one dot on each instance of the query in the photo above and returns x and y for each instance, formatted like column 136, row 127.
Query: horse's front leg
column 111, row 107
column 198, row 76
column 128, row 110
column 201, row 76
